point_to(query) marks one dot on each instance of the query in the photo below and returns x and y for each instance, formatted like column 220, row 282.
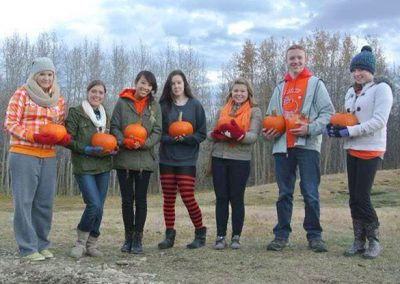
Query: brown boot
column 79, row 248
column 91, row 247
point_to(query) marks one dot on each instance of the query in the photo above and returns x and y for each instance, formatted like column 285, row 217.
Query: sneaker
column 277, row 244
column 33, row 257
column 317, row 246
column 46, row 253
column 220, row 243
column 235, row 244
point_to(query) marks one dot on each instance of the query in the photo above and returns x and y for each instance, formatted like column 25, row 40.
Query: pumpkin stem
column 180, row 116
column 273, row 112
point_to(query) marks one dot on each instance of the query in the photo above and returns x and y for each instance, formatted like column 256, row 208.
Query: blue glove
column 337, row 131
column 92, row 150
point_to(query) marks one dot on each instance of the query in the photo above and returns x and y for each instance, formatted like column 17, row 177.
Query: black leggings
column 361, row 175
column 229, row 178
column 133, row 185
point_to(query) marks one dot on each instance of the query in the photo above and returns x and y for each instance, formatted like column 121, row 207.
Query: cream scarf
column 37, row 94
column 99, row 123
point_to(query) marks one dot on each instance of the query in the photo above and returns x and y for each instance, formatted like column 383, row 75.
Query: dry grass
column 251, row 264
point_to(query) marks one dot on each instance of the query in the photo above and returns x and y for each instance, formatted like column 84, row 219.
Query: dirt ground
column 251, row 264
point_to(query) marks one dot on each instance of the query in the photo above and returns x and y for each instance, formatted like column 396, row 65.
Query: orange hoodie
column 292, row 99
column 139, row 105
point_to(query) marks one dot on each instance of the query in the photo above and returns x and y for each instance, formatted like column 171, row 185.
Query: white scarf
column 99, row 123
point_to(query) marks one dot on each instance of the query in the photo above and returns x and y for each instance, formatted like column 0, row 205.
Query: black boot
column 358, row 246
column 169, row 239
column 137, row 243
column 127, row 246
column 199, row 238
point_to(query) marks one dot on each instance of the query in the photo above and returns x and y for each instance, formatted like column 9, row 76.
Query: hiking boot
column 358, row 246
column 169, row 240
column 33, row 257
column 317, row 246
column 137, row 243
column 277, row 244
column 46, row 253
column 199, row 238
column 235, row 242
column 220, row 243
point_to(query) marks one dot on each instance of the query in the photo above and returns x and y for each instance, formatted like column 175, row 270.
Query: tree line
column 329, row 56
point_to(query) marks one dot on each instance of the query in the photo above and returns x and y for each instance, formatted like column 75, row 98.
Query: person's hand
column 46, row 139
column 129, row 143
column 270, row 133
column 301, row 130
column 65, row 140
column 236, row 132
column 218, row 135
column 337, row 131
column 179, row 138
column 93, row 150
column 139, row 143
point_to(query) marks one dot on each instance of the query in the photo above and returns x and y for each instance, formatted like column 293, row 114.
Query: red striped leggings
column 182, row 179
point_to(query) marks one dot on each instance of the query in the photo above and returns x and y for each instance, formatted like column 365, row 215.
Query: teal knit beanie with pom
column 365, row 60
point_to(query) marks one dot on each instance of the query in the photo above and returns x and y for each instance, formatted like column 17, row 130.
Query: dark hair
column 149, row 76
column 166, row 95
column 95, row 83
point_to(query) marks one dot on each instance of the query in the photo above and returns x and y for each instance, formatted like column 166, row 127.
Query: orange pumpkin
column 107, row 141
column 179, row 127
column 296, row 120
column 55, row 129
column 224, row 120
column 274, row 121
column 135, row 130
column 343, row 119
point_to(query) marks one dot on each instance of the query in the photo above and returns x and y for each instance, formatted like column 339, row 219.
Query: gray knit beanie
column 365, row 60
column 42, row 64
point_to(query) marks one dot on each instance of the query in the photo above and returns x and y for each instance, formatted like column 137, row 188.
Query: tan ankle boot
column 79, row 248
column 91, row 247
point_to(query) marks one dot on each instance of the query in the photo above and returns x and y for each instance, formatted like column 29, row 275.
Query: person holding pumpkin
column 184, row 128
column 91, row 165
column 32, row 157
column 135, row 160
column 304, row 102
column 370, row 100
column 237, row 127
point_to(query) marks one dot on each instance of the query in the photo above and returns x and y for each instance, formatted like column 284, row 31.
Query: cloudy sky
column 214, row 28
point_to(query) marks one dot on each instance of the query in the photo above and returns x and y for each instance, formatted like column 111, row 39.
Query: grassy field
column 251, row 264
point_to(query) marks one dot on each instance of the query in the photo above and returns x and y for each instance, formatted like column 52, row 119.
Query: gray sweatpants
column 33, row 183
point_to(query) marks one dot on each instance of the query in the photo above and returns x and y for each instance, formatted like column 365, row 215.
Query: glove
column 139, row 141
column 129, row 143
column 236, row 132
column 65, row 140
column 337, row 131
column 218, row 135
column 93, row 150
column 46, row 139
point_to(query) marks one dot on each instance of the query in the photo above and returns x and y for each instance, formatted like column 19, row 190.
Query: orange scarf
column 241, row 116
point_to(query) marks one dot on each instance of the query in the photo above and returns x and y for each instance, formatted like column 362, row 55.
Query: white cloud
column 239, row 27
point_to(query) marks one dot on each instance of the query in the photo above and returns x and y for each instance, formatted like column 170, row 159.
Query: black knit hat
column 365, row 60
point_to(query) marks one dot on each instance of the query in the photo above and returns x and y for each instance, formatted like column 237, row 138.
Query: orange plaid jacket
column 24, row 118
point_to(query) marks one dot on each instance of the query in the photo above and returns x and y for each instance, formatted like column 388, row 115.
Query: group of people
column 32, row 157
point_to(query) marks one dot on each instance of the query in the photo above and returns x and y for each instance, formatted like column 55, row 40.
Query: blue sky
column 215, row 29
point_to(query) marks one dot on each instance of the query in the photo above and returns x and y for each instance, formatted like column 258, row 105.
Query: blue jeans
column 94, row 191
column 308, row 162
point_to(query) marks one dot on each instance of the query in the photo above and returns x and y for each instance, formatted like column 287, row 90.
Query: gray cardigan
column 317, row 106
column 243, row 149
